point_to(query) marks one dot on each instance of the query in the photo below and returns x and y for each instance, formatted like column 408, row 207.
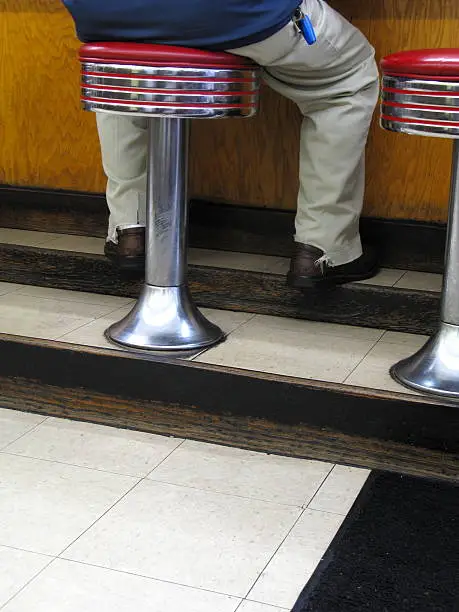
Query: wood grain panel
column 45, row 140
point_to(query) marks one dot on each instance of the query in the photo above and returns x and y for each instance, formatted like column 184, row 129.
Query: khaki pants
column 335, row 85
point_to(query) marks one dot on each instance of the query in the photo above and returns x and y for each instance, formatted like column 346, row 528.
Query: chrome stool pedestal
column 420, row 96
column 169, row 86
column 165, row 316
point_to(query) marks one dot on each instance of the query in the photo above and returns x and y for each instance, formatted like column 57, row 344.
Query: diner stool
column 170, row 86
column 420, row 96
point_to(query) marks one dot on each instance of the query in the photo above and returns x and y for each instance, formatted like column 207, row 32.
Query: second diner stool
column 170, row 86
column 420, row 96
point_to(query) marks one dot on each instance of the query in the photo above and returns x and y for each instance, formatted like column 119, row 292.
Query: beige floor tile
column 74, row 296
column 72, row 587
column 14, row 424
column 78, row 244
column 286, row 575
column 17, row 567
column 197, row 538
column 45, row 318
column 414, row 341
column 238, row 472
column 92, row 333
column 422, row 281
column 294, row 348
column 9, row 288
column 373, row 371
column 26, row 237
column 44, row 506
column 236, row 261
column 228, row 320
column 386, row 277
column 131, row 453
column 340, row 490
column 253, row 606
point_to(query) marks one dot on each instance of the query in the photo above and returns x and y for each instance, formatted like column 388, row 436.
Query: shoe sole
column 305, row 282
column 128, row 264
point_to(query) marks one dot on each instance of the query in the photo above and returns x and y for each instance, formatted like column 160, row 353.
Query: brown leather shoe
column 308, row 269
column 129, row 253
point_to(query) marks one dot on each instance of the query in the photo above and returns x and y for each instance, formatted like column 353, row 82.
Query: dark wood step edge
column 274, row 414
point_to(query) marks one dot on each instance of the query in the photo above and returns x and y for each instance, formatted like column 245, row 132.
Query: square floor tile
column 414, row 341
column 78, row 244
column 44, row 506
column 235, row 261
column 253, row 606
column 93, row 333
column 292, row 566
column 422, row 281
column 9, row 288
column 373, row 371
column 196, row 538
column 131, row 453
column 228, row 320
column 45, row 318
column 110, row 301
column 340, row 490
column 17, row 567
column 294, row 348
column 386, row 277
column 26, row 237
column 238, row 472
column 72, row 587
column 14, row 424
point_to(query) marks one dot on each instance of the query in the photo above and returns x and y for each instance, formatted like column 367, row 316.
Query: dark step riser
column 359, row 305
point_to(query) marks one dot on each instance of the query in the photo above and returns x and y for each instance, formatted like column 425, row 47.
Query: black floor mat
column 397, row 551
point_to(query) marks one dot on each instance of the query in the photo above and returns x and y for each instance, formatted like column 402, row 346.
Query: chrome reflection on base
column 165, row 319
column 435, row 368
column 420, row 129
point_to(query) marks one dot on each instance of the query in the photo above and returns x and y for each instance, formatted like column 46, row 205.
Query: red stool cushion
column 160, row 55
column 427, row 62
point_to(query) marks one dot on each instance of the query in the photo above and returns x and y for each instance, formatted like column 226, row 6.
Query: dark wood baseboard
column 274, row 414
column 402, row 244
column 387, row 308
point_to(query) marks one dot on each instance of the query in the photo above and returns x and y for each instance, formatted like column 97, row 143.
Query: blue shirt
column 206, row 24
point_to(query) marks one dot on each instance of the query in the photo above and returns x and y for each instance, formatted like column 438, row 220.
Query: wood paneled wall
column 45, row 140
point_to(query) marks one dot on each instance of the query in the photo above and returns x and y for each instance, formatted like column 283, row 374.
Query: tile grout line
column 275, row 553
column 29, row 581
column 384, row 331
column 3, row 448
column 59, row 556
column 324, row 480
column 118, row 571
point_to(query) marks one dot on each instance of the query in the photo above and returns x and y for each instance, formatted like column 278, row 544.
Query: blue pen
column 304, row 26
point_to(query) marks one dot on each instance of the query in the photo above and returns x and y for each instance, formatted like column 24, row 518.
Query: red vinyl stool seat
column 420, row 95
column 420, row 92
column 158, row 80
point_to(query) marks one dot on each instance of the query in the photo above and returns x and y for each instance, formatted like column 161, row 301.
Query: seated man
column 334, row 83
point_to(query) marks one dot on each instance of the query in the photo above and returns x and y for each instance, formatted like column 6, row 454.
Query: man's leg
column 335, row 85
column 123, row 143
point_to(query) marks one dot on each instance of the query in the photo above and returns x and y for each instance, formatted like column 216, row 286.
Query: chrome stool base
column 434, row 368
column 165, row 319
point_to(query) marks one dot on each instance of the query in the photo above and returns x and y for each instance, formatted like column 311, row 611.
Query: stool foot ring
column 165, row 319
column 434, row 368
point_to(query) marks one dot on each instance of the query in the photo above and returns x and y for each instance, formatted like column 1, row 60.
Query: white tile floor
column 93, row 518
